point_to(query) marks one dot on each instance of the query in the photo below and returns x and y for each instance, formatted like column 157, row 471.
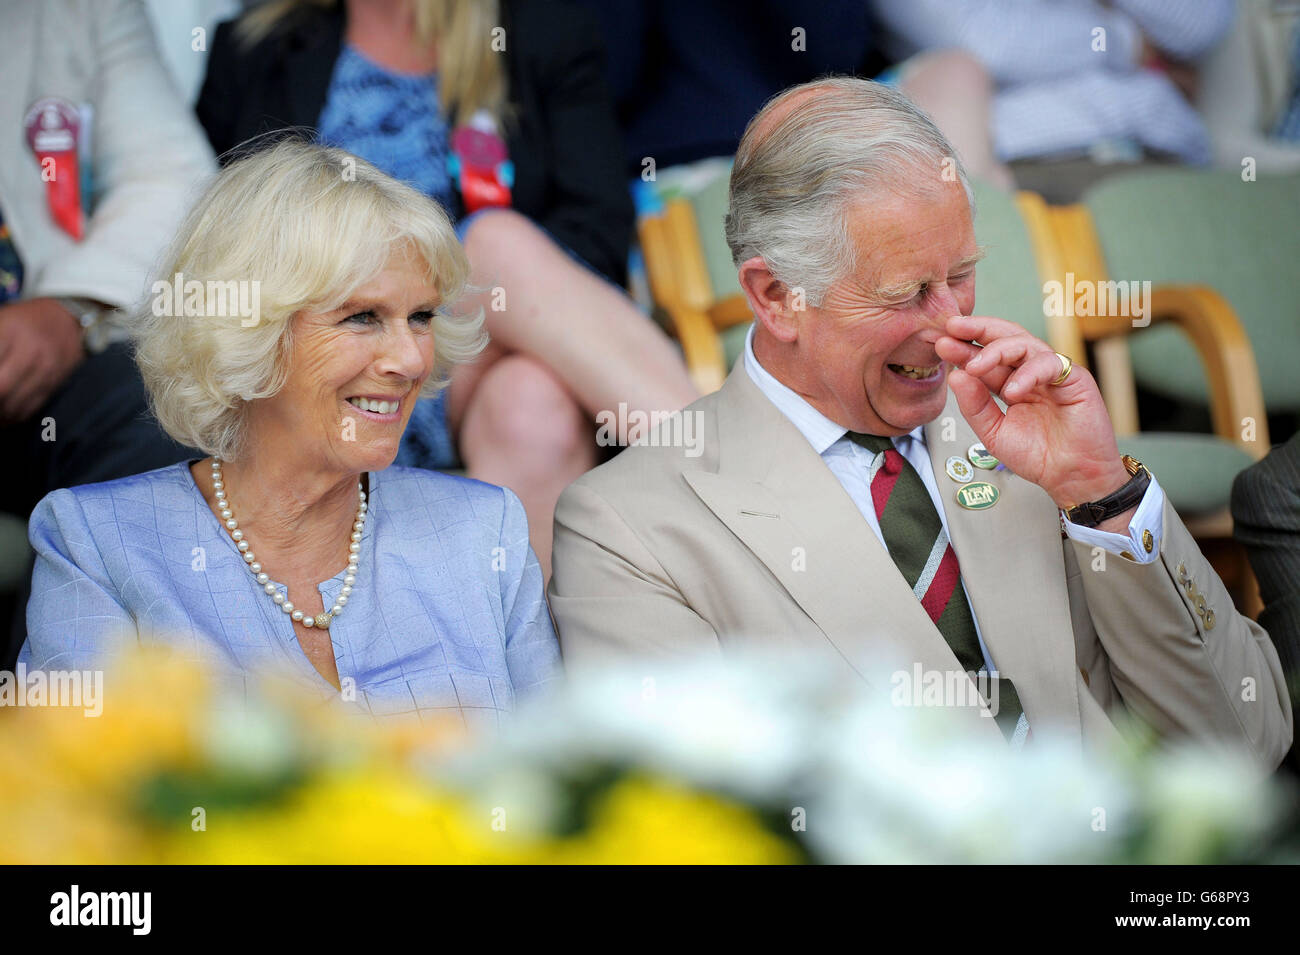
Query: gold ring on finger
column 1066, row 367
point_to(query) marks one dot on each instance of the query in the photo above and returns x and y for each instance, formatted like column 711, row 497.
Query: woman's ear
column 774, row 304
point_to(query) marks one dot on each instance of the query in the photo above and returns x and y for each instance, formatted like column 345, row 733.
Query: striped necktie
column 919, row 546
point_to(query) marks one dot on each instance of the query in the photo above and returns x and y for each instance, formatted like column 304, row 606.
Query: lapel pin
column 980, row 457
column 958, row 469
column 977, row 496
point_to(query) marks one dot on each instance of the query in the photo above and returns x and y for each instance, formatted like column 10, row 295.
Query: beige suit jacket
column 150, row 156
column 754, row 543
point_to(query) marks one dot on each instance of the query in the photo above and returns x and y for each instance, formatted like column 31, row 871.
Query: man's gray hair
column 793, row 181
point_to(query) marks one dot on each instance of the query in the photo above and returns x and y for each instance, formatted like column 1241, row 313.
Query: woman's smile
column 378, row 407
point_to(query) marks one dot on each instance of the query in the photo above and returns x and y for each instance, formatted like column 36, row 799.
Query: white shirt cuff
column 1142, row 543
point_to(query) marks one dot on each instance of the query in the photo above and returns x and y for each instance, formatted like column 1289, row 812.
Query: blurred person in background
column 500, row 112
column 1250, row 89
column 183, row 49
column 1266, row 520
column 99, row 161
column 683, row 98
column 293, row 544
column 1076, row 77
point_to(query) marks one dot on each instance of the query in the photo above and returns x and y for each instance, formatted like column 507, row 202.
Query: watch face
column 85, row 310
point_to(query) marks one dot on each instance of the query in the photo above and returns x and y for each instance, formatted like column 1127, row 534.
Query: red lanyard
column 53, row 130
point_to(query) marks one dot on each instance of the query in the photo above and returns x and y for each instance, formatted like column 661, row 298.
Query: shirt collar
column 820, row 431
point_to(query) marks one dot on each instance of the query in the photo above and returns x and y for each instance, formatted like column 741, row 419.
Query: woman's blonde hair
column 292, row 227
column 470, row 73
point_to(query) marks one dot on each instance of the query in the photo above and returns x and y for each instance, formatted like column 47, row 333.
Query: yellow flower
column 382, row 816
column 363, row 815
column 652, row 821
column 71, row 789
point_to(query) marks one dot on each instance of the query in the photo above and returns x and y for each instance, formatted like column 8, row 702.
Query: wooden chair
column 1195, row 470
column 1069, row 252
column 678, row 275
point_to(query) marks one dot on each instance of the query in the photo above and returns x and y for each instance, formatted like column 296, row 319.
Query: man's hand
column 1058, row 436
column 40, row 345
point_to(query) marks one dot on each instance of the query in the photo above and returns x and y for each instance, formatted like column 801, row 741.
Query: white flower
column 876, row 782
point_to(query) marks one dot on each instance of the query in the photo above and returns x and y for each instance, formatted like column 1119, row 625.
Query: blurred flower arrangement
column 702, row 766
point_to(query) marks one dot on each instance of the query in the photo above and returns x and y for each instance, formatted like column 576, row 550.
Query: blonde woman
column 299, row 316
column 498, row 111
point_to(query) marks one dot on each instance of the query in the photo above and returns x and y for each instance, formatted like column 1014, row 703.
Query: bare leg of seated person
column 955, row 89
column 523, row 429
column 566, row 345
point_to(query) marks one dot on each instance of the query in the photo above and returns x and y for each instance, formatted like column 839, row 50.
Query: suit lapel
column 1013, row 569
column 781, row 500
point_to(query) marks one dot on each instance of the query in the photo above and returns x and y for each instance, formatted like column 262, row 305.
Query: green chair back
column 709, row 204
column 1209, row 228
column 705, row 185
column 1007, row 284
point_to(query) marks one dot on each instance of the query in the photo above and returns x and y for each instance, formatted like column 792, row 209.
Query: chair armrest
column 700, row 343
column 1051, row 233
column 679, row 283
column 690, row 273
column 657, row 253
column 1207, row 319
column 731, row 311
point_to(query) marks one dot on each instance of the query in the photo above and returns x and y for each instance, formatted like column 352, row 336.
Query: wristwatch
column 88, row 313
column 1092, row 513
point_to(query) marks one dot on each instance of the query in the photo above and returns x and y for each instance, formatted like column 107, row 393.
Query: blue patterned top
column 447, row 611
column 391, row 120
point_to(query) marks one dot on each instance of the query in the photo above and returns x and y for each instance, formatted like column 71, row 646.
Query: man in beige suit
column 859, row 495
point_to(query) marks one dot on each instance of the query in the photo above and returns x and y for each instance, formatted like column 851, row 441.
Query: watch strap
column 1092, row 513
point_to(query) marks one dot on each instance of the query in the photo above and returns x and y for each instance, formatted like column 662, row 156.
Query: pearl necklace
column 281, row 597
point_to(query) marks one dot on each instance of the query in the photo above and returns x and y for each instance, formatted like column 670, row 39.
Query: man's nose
column 940, row 305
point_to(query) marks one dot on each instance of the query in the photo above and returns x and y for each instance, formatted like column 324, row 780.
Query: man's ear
column 774, row 304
